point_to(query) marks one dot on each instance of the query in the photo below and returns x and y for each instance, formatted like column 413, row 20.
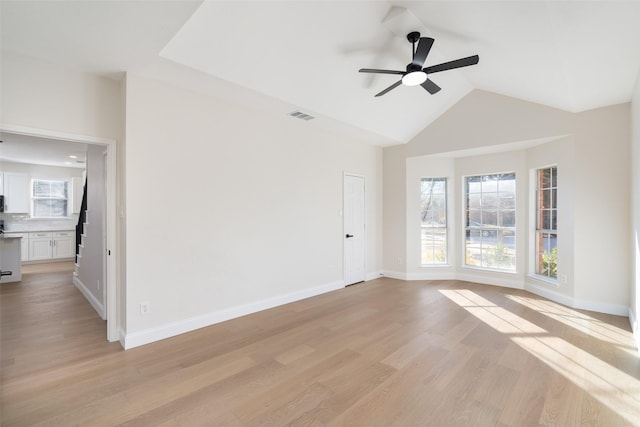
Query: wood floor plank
column 381, row 353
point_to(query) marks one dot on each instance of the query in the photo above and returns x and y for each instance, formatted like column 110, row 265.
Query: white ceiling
column 287, row 55
column 42, row 151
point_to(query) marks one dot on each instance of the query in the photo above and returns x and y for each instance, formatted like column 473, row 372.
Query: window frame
column 484, row 231
column 424, row 227
column 34, row 198
column 538, row 230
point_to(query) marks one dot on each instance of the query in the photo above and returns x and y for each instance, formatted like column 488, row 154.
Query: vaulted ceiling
column 305, row 55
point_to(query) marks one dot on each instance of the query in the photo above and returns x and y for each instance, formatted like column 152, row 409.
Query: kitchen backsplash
column 21, row 222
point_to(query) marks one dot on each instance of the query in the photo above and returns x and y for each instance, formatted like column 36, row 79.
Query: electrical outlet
column 145, row 308
column 563, row 279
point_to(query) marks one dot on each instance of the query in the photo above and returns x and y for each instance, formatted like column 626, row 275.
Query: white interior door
column 354, row 229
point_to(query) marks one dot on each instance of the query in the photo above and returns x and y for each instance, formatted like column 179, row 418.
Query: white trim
column 634, row 327
column 122, row 335
column 176, row 328
column 52, row 134
column 110, row 209
column 515, row 281
column 97, row 305
column 373, row 275
column 395, row 274
column 435, row 275
column 580, row 304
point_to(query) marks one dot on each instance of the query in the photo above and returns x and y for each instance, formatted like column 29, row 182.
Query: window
column 490, row 230
column 49, row 198
column 547, row 222
column 433, row 220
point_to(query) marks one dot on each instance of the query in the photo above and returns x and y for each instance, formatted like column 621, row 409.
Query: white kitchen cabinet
column 52, row 245
column 64, row 244
column 40, row 246
column 16, row 192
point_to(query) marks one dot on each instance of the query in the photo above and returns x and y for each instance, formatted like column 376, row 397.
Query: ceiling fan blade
column 393, row 86
column 458, row 63
column 424, row 46
column 373, row 70
column 430, row 87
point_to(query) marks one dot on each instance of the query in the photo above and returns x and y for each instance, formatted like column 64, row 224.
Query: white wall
column 230, row 209
column 597, row 264
column 45, row 96
column 91, row 260
column 634, row 296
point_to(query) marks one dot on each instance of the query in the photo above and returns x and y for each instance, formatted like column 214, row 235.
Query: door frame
column 110, row 210
column 364, row 239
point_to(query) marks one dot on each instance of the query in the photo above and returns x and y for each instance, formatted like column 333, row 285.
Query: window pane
column 546, row 219
column 473, row 184
column 490, row 184
column 474, row 218
column 507, row 184
column 489, row 200
column 545, row 200
column 545, row 181
column 50, row 208
column 490, row 218
column 49, row 198
column 434, row 220
column 485, row 242
column 474, row 201
column 508, row 219
column 507, row 201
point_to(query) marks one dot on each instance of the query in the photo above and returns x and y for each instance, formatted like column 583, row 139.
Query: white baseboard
column 431, row 276
column 374, row 275
column 635, row 328
column 97, row 305
column 395, row 275
column 615, row 309
column 150, row 335
column 122, row 336
column 515, row 282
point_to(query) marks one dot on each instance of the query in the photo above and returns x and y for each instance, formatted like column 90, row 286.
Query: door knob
column 349, row 235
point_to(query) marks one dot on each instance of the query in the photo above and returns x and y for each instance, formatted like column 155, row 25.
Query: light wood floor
column 383, row 353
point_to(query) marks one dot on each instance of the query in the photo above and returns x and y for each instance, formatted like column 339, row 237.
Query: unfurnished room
column 363, row 213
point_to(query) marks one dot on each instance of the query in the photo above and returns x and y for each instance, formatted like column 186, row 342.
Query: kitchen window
column 433, row 221
column 490, row 229
column 49, row 198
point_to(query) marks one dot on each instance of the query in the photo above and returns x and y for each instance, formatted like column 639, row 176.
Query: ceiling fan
column 415, row 74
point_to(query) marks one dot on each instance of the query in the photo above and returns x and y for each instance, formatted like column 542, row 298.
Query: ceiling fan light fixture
column 414, row 78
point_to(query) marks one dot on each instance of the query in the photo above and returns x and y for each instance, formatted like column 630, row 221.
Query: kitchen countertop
column 48, row 230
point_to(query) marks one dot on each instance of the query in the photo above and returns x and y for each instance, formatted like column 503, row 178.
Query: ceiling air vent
column 301, row 115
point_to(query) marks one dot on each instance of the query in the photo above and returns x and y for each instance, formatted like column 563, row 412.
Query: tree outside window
column 433, row 220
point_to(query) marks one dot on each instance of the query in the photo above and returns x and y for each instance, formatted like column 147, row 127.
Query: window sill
column 435, row 265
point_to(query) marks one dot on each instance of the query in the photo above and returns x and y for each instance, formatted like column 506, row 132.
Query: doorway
column 109, row 210
column 354, row 228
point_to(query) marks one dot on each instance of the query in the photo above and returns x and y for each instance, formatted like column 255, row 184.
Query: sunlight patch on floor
column 612, row 387
column 577, row 320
